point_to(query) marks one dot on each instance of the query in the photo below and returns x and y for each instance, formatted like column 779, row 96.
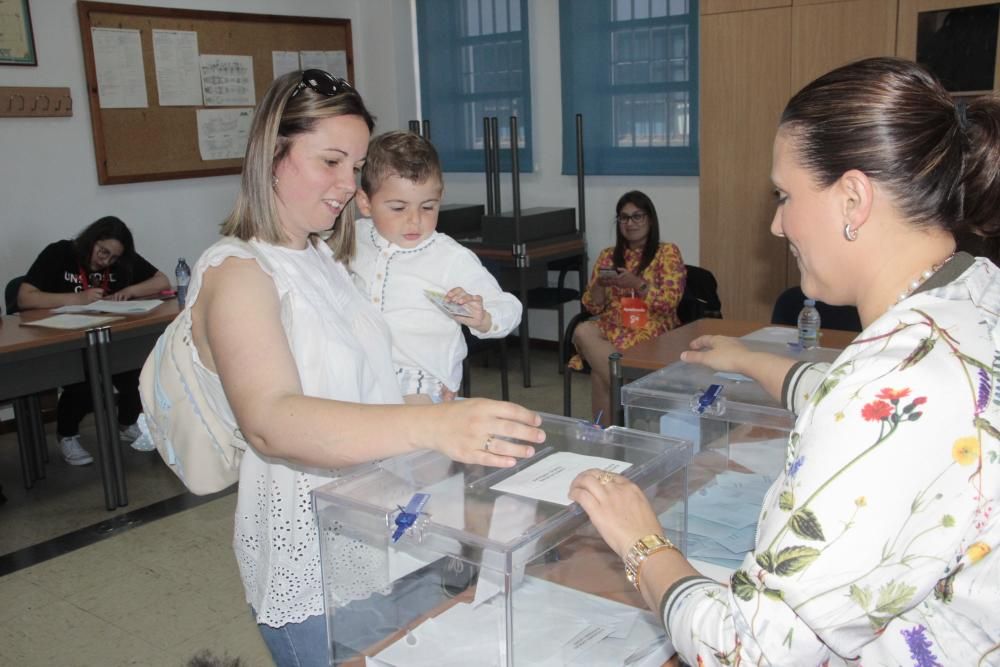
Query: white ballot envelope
column 549, row 479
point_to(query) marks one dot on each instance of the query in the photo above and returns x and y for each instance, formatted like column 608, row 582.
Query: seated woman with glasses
column 100, row 263
column 634, row 292
column 289, row 352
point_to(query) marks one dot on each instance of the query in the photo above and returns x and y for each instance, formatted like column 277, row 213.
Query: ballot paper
column 106, row 306
column 766, row 457
column 722, row 517
column 67, row 321
column 553, row 626
column 550, row 478
column 449, row 308
column 773, row 335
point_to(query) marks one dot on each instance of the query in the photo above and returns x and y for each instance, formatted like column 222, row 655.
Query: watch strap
column 638, row 553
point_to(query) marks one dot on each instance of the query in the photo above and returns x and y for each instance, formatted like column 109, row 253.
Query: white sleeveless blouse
column 342, row 350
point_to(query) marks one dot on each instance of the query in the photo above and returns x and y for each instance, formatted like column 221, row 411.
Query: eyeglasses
column 322, row 82
column 104, row 254
column 637, row 218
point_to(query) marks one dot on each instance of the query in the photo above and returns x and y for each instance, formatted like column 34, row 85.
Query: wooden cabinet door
column 826, row 35
column 745, row 74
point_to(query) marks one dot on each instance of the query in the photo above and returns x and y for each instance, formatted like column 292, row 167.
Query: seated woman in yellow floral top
column 638, row 267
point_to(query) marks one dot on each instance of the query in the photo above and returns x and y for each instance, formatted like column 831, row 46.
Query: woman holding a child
column 292, row 355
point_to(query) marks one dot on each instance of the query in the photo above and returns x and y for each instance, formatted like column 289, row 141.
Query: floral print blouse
column 878, row 544
column 665, row 275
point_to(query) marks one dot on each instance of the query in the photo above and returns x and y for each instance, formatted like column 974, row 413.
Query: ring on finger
column 489, row 441
column 604, row 478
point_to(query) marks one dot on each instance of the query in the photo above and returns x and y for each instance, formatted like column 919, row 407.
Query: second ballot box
column 740, row 436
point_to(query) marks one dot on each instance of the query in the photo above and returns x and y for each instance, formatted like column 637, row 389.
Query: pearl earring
column 850, row 234
column 274, row 181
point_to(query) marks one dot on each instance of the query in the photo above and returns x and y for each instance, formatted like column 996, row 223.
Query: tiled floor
column 160, row 592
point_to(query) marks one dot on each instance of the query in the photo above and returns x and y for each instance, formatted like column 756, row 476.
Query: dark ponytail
column 981, row 178
column 891, row 119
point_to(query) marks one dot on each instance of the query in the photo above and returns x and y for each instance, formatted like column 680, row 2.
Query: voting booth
column 431, row 562
column 740, row 436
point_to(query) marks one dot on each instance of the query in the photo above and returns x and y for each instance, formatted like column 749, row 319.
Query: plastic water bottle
column 183, row 274
column 808, row 325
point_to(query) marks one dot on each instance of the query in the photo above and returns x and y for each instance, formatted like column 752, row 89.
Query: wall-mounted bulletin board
column 172, row 91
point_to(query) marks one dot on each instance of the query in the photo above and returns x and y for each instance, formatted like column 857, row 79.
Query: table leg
column 38, row 433
column 101, row 421
column 25, row 442
column 615, row 384
column 522, row 281
column 117, row 460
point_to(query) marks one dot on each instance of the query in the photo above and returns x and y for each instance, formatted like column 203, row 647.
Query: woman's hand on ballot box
column 482, row 431
column 617, row 507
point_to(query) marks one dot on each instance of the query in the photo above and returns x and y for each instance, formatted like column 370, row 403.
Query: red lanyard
column 86, row 283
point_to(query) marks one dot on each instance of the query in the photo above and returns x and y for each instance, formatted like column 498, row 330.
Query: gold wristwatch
column 640, row 551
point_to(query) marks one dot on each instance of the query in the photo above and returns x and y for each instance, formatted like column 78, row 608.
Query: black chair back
column 789, row 303
column 701, row 296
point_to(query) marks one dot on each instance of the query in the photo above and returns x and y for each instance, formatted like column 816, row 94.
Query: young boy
column 400, row 259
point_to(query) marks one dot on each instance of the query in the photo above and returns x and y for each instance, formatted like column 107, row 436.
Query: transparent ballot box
column 740, row 436
column 499, row 567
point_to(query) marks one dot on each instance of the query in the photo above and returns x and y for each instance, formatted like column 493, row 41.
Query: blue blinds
column 474, row 62
column 631, row 68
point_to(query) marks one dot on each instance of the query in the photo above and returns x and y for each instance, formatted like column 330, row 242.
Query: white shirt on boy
column 424, row 338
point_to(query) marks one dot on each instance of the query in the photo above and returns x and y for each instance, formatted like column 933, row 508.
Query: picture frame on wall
column 17, row 41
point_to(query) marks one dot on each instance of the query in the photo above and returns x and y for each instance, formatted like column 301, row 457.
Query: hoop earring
column 850, row 234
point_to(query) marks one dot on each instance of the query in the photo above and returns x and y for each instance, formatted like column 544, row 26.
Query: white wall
column 48, row 178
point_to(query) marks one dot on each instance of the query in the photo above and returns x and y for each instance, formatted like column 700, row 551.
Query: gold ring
column 604, row 477
column 486, row 445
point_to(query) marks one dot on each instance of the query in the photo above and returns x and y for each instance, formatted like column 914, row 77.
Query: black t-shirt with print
column 57, row 270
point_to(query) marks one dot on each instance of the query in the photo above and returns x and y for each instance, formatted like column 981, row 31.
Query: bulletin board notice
column 172, row 91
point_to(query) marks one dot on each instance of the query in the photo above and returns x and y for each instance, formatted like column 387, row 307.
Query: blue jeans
column 297, row 644
column 360, row 624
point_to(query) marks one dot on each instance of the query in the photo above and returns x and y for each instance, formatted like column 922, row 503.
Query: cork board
column 161, row 142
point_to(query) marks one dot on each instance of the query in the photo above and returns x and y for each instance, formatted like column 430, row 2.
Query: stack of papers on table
column 71, row 321
column 120, row 307
column 553, row 626
column 722, row 517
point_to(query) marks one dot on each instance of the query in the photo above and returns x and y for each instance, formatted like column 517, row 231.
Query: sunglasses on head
column 322, row 82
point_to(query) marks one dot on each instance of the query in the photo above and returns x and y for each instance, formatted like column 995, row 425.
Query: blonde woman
column 293, row 356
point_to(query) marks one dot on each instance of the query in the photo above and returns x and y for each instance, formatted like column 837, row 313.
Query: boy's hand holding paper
column 477, row 316
column 449, row 308
column 466, row 308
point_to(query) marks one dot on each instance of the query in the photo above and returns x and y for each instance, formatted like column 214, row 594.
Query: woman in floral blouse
column 879, row 543
column 641, row 269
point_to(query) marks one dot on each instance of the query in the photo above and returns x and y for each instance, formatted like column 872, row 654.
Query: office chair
column 699, row 300
column 789, row 303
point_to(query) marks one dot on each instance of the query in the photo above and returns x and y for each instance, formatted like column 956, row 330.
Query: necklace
column 922, row 278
